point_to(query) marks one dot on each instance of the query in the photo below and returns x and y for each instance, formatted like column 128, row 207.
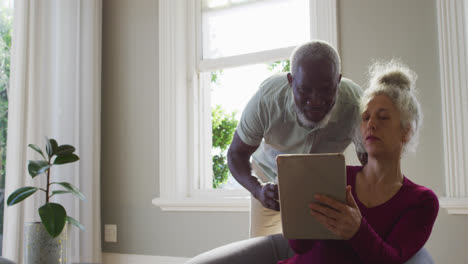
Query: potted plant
column 48, row 241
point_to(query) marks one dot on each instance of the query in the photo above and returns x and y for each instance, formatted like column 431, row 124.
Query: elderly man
column 309, row 110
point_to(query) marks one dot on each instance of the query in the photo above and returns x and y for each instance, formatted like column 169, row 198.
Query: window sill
column 454, row 205
column 242, row 204
column 231, row 204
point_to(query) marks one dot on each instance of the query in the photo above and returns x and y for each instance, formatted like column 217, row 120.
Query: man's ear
column 290, row 79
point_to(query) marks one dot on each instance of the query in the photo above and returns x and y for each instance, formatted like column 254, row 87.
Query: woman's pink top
column 389, row 233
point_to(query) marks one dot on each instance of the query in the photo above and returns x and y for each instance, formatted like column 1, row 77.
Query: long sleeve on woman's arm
column 407, row 237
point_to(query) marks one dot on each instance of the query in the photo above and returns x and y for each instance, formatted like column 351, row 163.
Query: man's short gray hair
column 314, row 50
column 395, row 80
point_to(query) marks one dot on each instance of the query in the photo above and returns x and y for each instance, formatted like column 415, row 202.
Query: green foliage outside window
column 279, row 66
column 223, row 127
column 5, row 46
column 224, row 124
column 215, row 76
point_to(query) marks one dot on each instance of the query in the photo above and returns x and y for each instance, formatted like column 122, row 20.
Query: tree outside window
column 5, row 46
column 224, row 122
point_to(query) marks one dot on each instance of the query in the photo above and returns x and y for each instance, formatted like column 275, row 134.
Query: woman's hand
column 341, row 219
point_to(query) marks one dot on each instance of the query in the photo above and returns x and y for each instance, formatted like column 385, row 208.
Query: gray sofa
column 268, row 250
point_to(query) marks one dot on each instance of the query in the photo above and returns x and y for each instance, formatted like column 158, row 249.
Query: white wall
column 369, row 29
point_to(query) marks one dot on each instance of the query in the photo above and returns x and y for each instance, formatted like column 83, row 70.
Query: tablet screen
column 300, row 177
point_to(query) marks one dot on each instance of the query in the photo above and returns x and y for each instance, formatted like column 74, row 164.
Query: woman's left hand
column 341, row 219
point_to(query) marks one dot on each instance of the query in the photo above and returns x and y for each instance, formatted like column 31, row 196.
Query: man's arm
column 239, row 154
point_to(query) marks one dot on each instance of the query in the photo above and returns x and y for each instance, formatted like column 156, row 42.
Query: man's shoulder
column 350, row 91
column 274, row 86
column 349, row 96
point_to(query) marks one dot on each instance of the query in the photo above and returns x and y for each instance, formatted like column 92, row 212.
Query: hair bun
column 395, row 78
column 393, row 73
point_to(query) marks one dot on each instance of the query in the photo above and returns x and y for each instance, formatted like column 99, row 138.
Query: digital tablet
column 300, row 177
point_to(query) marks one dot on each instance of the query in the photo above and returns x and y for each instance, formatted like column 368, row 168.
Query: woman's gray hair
column 395, row 80
column 314, row 49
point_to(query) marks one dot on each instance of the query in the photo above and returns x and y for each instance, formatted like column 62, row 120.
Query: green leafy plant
column 223, row 126
column 53, row 215
column 279, row 66
column 215, row 76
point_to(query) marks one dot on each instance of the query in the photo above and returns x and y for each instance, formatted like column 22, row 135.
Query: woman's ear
column 406, row 135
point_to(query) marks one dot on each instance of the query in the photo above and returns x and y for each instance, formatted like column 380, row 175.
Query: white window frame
column 453, row 52
column 185, row 110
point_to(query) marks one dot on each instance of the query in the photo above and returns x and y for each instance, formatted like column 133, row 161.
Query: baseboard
column 115, row 258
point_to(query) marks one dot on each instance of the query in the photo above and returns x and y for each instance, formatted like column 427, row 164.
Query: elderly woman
column 387, row 217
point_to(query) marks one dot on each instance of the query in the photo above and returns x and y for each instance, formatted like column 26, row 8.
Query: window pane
column 231, row 89
column 237, row 27
column 5, row 46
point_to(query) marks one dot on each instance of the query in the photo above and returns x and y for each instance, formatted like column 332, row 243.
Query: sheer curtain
column 56, row 92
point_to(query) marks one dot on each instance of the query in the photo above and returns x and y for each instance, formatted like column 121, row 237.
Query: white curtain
column 55, row 92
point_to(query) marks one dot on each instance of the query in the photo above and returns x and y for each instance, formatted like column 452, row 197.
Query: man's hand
column 267, row 194
column 343, row 220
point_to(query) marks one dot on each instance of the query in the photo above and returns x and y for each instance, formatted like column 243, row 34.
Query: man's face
column 315, row 87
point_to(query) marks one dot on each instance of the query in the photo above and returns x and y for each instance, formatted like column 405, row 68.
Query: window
column 266, row 26
column 453, row 52
column 198, row 38
column 6, row 12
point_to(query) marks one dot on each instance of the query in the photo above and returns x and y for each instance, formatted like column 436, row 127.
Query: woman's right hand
column 341, row 219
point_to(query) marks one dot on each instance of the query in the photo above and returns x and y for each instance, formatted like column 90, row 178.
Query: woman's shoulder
column 420, row 194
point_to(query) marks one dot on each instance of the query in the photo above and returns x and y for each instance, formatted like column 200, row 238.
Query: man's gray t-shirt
column 269, row 121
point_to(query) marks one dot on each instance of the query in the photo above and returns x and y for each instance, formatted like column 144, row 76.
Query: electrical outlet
column 110, row 233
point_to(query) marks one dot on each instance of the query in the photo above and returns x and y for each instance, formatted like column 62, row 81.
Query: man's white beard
column 303, row 121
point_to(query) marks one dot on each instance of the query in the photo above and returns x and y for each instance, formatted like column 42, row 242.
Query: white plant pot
column 40, row 247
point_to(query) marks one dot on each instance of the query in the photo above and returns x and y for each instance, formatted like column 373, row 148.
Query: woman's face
column 381, row 129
